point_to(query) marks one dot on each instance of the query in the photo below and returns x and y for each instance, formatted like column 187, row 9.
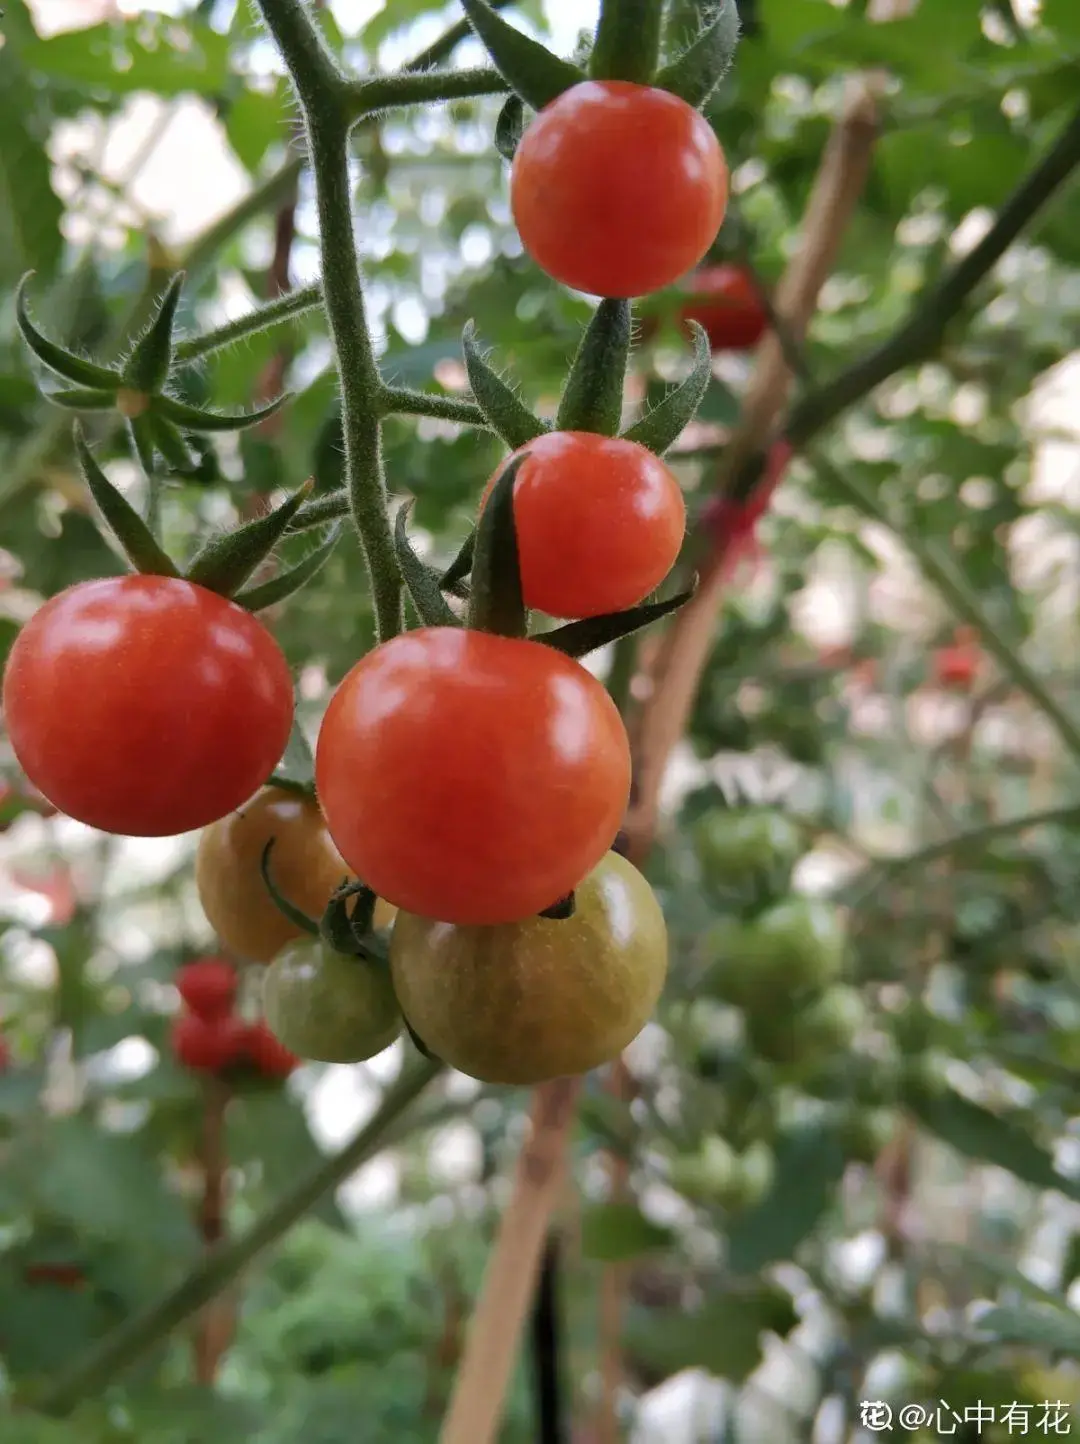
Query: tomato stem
column 627, row 44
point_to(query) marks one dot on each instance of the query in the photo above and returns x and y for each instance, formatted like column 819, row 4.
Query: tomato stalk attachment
column 627, row 45
column 592, row 399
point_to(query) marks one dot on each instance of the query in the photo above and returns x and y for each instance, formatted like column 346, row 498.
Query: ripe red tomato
column 956, row 667
column 208, row 987
column 618, row 189
column 146, row 706
column 267, row 1054
column 599, row 523
column 471, row 778
column 726, row 303
column 208, row 1045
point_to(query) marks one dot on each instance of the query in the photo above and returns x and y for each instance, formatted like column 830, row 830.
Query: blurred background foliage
column 865, row 1184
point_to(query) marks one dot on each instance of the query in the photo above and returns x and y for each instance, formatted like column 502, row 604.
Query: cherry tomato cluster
column 209, row 1037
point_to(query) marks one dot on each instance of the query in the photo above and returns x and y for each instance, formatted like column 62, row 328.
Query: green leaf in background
column 809, row 1163
column 269, row 1130
column 30, row 210
column 724, row 1336
column 614, row 1232
column 141, row 54
column 1042, row 1328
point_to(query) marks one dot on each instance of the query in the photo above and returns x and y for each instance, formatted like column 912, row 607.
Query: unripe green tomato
column 737, row 845
column 328, row 1006
column 866, row 1132
column 828, row 1024
column 798, row 943
column 542, row 998
column 710, row 1177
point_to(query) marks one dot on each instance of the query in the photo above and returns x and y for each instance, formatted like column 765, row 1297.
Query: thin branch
column 380, row 92
column 284, row 308
column 406, row 402
column 128, row 1342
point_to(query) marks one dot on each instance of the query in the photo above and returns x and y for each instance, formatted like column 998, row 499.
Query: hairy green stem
column 121, row 1348
column 627, row 43
column 324, row 99
column 963, row 601
column 404, row 402
column 284, row 308
column 379, row 92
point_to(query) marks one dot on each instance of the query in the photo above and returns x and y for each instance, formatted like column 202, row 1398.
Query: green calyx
column 136, row 387
column 530, row 69
column 695, row 74
column 344, row 929
column 496, row 603
column 222, row 564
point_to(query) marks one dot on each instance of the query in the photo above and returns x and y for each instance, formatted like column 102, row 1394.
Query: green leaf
column 72, row 368
column 527, row 66
column 696, row 73
column 723, row 1337
column 613, row 1232
column 578, row 639
column 987, row 1137
column 270, row 1129
column 270, row 593
column 30, row 211
column 1042, row 1328
column 809, row 1164
column 147, row 367
column 506, row 415
column 592, row 399
column 665, row 423
column 495, row 602
column 423, row 584
column 139, row 55
column 137, row 540
column 225, row 562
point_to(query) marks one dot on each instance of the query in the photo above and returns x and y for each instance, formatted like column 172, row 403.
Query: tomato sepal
column 561, row 910
column 504, row 412
column 269, row 594
column 192, row 419
column 453, row 578
column 496, row 603
column 530, row 68
column 56, row 358
column 424, row 585
column 510, row 127
column 661, row 427
column 352, row 932
column 147, row 367
column 592, row 399
column 136, row 539
column 695, row 74
column 224, row 563
column 83, row 398
column 170, row 443
column 578, row 639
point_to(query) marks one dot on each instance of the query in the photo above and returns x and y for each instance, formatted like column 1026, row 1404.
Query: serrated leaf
column 224, row 564
column 507, row 416
column 578, row 639
column 696, row 73
column 424, row 585
column 530, row 68
column 664, row 424
column 614, row 1232
column 592, row 399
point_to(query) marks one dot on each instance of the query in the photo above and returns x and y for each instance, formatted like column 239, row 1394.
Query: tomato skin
column 208, row 1046
column 470, row 777
column 326, row 1006
column 618, row 189
column 956, row 667
column 725, row 301
column 208, row 987
column 146, row 706
column 269, row 1056
column 305, row 865
column 539, row 998
column 738, row 844
column 599, row 522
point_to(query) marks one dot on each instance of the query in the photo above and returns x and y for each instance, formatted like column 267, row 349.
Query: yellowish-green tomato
column 328, row 1006
column 543, row 998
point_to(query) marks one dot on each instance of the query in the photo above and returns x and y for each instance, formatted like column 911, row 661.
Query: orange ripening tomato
column 471, row 778
column 725, row 301
column 145, row 705
column 618, row 189
column 599, row 523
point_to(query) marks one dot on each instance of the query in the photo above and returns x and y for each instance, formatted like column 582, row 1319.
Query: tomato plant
column 146, row 705
column 207, row 987
column 540, row 998
column 305, row 866
column 471, row 777
column 599, row 523
column 618, row 189
column 726, row 302
column 329, row 1006
column 737, row 844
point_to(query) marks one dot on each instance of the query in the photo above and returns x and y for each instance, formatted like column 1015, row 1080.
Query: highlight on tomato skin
column 599, row 522
column 470, row 777
column 146, row 706
column 618, row 189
